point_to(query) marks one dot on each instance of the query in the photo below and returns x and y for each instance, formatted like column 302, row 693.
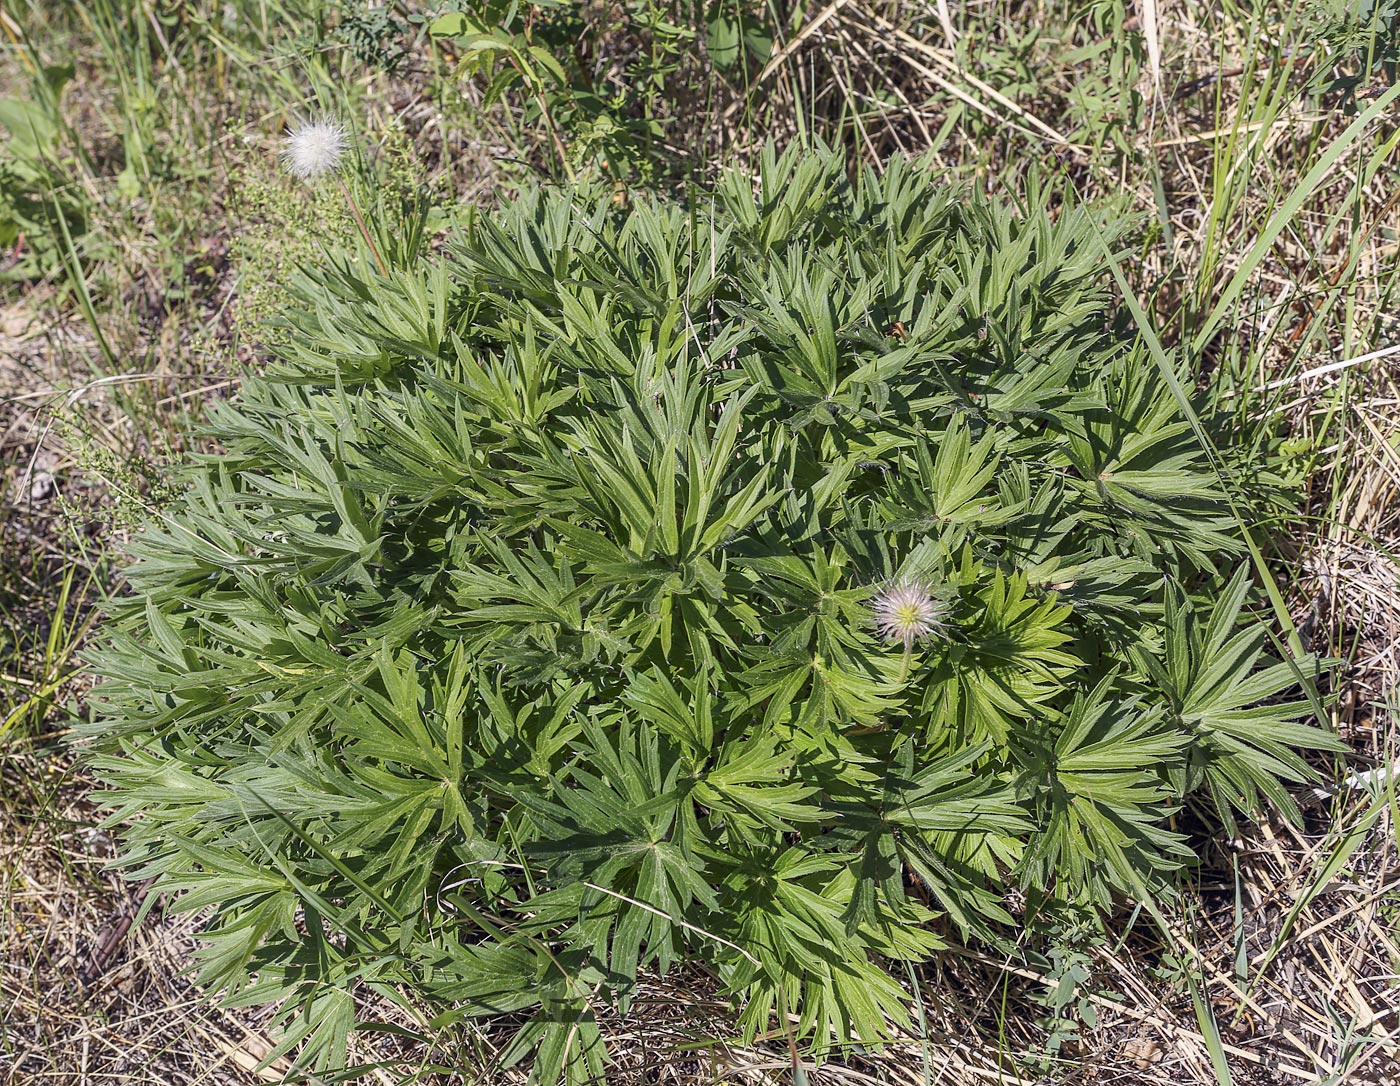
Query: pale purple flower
column 906, row 611
column 314, row 147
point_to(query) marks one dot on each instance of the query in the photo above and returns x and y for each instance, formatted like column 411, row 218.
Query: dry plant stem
column 113, row 935
column 364, row 229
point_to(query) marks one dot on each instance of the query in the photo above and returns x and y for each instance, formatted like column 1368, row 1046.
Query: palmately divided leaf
column 520, row 638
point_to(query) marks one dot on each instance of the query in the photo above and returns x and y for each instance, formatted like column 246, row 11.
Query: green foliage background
column 519, row 640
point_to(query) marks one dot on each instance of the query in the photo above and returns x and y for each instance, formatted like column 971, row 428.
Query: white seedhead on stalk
column 312, row 148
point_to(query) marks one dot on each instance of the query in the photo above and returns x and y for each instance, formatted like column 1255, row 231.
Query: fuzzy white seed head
column 313, row 148
column 906, row 611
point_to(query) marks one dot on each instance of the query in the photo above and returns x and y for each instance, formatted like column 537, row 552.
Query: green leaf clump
column 794, row 580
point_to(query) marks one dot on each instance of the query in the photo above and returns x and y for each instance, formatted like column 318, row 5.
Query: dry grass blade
column 939, row 57
column 786, row 50
column 1152, row 37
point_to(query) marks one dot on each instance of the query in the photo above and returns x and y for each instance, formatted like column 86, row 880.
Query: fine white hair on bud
column 312, row 148
column 905, row 611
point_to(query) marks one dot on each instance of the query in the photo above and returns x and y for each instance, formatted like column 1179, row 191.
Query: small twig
column 113, row 935
column 1188, row 89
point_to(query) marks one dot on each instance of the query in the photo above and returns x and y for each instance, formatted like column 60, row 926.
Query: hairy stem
column 364, row 229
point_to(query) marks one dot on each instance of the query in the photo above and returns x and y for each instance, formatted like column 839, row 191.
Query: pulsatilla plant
column 786, row 581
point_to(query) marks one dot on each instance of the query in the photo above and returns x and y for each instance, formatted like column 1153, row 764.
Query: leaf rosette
column 526, row 633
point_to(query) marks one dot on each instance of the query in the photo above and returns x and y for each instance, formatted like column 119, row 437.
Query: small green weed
column 34, row 193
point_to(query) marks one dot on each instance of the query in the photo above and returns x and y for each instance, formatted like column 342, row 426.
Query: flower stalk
column 318, row 147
